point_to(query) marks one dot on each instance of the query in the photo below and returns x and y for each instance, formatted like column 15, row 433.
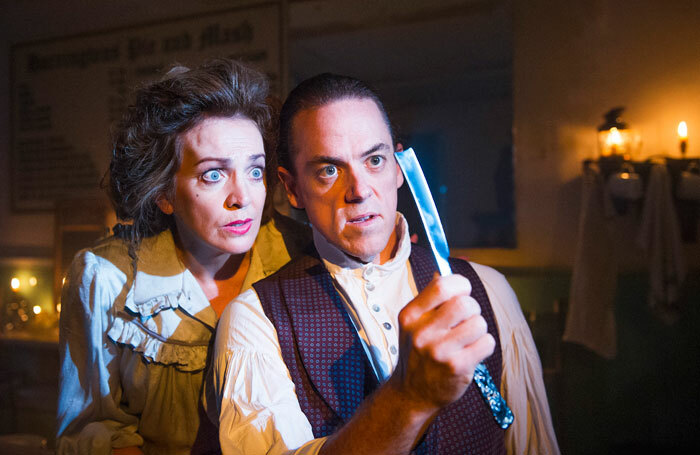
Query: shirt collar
column 336, row 261
column 160, row 273
column 162, row 281
column 159, row 270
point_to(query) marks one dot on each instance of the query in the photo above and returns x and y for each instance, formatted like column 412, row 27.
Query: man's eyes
column 329, row 171
column 376, row 160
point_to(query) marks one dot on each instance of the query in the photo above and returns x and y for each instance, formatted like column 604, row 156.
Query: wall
column 29, row 233
column 573, row 61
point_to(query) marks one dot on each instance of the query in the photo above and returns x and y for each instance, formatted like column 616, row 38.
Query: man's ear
column 399, row 174
column 164, row 205
column 290, row 186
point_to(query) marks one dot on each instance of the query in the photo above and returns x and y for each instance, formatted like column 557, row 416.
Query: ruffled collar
column 162, row 281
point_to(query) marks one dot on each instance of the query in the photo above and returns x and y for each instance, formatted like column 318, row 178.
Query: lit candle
column 683, row 137
column 614, row 141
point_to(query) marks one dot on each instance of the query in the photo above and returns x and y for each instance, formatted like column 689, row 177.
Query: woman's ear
column 164, row 205
column 290, row 186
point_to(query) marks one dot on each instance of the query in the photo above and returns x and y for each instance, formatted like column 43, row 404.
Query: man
column 360, row 347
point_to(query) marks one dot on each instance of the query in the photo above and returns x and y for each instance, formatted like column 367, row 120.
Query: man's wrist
column 413, row 407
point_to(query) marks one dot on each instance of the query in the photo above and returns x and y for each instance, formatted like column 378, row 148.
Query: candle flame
column 682, row 131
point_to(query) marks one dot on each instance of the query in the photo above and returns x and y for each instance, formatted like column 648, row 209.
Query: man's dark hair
column 316, row 92
column 147, row 142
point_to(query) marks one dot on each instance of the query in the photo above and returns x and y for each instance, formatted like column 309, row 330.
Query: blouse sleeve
column 256, row 406
column 89, row 419
column 521, row 383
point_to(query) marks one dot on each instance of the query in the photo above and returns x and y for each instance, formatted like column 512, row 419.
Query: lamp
column 614, row 136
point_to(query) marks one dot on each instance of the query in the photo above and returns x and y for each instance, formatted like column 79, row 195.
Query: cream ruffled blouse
column 134, row 348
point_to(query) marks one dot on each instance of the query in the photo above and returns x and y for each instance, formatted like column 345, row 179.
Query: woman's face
column 219, row 189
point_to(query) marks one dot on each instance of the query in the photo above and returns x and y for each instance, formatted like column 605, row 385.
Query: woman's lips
column 239, row 227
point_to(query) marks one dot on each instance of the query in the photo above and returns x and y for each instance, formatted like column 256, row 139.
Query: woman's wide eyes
column 213, row 175
column 257, row 173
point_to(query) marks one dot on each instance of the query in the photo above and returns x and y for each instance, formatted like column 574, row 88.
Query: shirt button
column 376, row 308
column 393, row 350
column 370, row 287
column 369, row 270
column 387, row 326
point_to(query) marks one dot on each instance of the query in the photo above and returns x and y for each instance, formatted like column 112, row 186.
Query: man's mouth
column 362, row 218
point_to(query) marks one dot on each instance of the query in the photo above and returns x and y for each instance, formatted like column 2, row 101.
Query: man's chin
column 362, row 254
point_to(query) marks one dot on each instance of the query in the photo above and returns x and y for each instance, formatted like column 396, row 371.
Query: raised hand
column 442, row 339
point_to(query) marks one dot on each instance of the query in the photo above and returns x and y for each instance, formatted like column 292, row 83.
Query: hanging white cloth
column 660, row 238
column 591, row 319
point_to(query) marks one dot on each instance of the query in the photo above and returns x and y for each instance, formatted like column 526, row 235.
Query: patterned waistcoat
column 330, row 369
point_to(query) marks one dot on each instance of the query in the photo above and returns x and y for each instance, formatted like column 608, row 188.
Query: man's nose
column 358, row 188
column 237, row 194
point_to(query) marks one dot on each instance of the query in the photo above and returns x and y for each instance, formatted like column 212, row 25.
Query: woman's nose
column 237, row 195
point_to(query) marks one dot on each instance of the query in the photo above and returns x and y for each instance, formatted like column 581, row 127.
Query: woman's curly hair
column 147, row 142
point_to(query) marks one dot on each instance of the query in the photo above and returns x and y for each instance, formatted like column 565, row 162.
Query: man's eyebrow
column 376, row 148
column 324, row 159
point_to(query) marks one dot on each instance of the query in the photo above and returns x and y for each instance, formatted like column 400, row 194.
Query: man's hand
column 442, row 339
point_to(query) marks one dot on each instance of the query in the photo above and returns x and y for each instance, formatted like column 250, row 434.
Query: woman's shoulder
column 279, row 240
column 107, row 254
column 110, row 262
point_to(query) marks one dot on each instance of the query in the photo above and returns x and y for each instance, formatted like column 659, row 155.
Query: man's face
column 346, row 176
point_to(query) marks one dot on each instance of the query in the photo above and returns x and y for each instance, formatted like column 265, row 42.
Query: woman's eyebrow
column 256, row 157
column 222, row 161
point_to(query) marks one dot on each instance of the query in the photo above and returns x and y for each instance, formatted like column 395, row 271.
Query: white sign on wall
column 65, row 93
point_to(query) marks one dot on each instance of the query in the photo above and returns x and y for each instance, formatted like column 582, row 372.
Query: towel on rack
column 660, row 238
column 591, row 319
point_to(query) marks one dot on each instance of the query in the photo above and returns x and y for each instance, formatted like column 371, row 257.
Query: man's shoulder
column 484, row 272
column 487, row 274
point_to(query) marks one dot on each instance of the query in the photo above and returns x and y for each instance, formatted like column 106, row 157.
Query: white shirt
column 257, row 407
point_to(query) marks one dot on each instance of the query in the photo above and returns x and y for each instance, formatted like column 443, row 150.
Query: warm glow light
column 32, row 281
column 614, row 138
column 63, row 281
column 14, row 283
column 36, row 309
column 58, row 308
column 682, row 131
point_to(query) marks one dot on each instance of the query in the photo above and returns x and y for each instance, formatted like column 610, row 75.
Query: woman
column 139, row 309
